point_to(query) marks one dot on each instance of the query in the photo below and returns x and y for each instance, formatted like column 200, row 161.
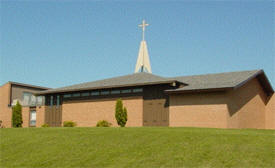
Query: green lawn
column 136, row 147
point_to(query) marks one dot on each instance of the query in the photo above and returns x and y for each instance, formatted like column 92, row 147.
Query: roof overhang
column 173, row 91
column 28, row 85
column 260, row 75
column 106, row 87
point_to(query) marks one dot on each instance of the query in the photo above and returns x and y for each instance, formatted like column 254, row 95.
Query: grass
column 136, row 147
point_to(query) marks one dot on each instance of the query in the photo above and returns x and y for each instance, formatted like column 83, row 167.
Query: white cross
column 143, row 25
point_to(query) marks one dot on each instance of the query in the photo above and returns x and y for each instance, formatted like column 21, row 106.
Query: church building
column 243, row 99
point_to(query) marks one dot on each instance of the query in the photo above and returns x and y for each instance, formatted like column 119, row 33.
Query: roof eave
column 106, row 87
column 198, row 90
column 262, row 79
column 28, row 85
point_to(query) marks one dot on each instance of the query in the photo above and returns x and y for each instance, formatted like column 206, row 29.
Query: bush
column 103, row 123
column 17, row 115
column 69, row 124
column 1, row 126
column 45, row 125
column 121, row 113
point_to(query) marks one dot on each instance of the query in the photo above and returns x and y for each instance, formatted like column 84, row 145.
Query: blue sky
column 59, row 43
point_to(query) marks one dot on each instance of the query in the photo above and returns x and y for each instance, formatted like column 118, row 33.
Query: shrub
column 45, row 125
column 17, row 115
column 69, row 124
column 103, row 123
column 121, row 113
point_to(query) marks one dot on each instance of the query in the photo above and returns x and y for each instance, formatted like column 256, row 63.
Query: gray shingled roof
column 196, row 82
column 135, row 79
column 215, row 81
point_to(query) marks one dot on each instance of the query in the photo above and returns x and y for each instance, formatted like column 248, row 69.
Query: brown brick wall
column 198, row 110
column 26, row 116
column 270, row 113
column 40, row 116
column 246, row 106
column 88, row 113
column 5, row 111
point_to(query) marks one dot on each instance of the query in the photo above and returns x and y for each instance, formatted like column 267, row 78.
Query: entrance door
column 53, row 116
column 155, row 113
column 53, row 112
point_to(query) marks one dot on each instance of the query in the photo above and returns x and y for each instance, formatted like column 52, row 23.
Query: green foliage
column 121, row 113
column 125, row 116
column 103, row 123
column 17, row 115
column 69, row 124
column 45, row 125
column 1, row 126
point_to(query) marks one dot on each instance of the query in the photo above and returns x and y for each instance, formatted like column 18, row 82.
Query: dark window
column 67, row 95
column 95, row 93
column 115, row 91
column 105, row 92
column 51, row 101
column 126, row 91
column 76, row 94
column 137, row 90
column 57, row 100
column 85, row 94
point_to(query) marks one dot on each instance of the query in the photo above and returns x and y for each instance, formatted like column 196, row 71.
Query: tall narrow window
column 26, row 98
column 33, row 100
column 57, row 100
column 51, row 101
column 39, row 100
column 32, row 118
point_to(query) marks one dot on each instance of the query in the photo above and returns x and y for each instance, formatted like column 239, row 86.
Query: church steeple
column 143, row 61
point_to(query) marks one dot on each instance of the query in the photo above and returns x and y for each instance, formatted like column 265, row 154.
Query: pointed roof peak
column 143, row 61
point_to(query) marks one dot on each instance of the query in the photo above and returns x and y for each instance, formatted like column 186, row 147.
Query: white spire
column 143, row 62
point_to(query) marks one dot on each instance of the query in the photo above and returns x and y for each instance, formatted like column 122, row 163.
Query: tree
column 17, row 115
column 121, row 113
column 125, row 116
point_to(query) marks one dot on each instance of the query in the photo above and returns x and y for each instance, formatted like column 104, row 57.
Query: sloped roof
column 136, row 79
column 220, row 80
column 191, row 83
column 28, row 85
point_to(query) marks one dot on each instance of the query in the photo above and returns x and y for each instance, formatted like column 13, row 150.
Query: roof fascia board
column 106, row 87
column 28, row 86
column 197, row 90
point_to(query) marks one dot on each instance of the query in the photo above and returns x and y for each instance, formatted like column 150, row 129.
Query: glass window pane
column 67, row 95
column 137, row 90
column 26, row 98
column 95, row 93
column 105, row 92
column 76, row 94
column 115, row 91
column 33, row 123
column 126, row 91
column 33, row 115
column 33, row 118
column 33, row 100
column 51, row 101
column 57, row 100
column 39, row 100
column 85, row 94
